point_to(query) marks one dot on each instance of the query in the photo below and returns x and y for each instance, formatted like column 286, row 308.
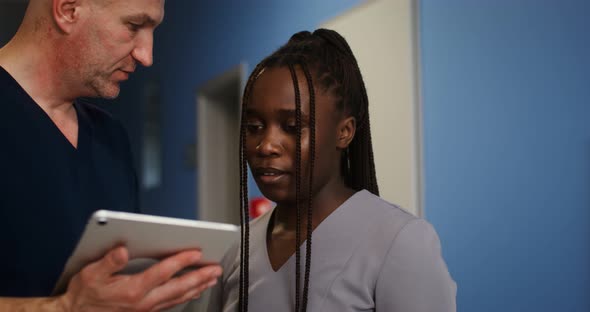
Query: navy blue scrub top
column 48, row 188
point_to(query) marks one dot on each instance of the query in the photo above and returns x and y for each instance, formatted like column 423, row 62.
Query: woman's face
column 271, row 134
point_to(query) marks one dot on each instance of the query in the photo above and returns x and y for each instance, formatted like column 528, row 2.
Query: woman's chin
column 277, row 196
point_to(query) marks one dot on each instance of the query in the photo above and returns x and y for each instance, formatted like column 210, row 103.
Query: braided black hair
column 327, row 62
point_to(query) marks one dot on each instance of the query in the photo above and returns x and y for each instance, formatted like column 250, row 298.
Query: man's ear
column 346, row 132
column 66, row 13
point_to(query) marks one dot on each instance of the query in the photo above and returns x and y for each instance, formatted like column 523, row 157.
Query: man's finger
column 185, row 287
column 191, row 295
column 162, row 271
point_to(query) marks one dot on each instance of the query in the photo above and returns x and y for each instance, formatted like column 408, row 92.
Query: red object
column 258, row 206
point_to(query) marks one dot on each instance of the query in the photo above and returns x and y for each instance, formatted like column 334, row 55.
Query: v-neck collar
column 33, row 108
column 84, row 127
column 318, row 232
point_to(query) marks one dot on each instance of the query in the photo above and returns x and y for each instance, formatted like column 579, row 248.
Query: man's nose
column 143, row 51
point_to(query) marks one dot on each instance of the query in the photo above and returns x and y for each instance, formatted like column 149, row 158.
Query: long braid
column 247, row 239
column 310, row 182
column 297, row 188
column 244, row 209
column 243, row 219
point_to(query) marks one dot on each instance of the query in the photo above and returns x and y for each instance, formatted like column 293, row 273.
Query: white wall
column 382, row 36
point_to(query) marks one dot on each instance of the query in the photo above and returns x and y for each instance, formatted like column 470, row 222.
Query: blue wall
column 506, row 104
column 11, row 15
column 198, row 41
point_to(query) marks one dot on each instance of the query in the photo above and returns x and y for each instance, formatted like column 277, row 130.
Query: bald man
column 63, row 158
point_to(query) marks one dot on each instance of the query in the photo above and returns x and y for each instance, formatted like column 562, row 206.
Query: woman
column 306, row 136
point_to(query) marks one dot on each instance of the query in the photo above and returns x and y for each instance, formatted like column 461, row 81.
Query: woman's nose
column 269, row 145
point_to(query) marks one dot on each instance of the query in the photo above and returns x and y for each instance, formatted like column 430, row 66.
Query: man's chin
column 111, row 96
column 109, row 92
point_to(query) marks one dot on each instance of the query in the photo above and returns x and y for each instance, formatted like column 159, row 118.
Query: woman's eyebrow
column 283, row 112
column 250, row 111
column 292, row 113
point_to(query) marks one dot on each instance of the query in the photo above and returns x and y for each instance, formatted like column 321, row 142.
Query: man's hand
column 98, row 288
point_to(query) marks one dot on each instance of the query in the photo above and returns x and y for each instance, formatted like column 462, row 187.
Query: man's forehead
column 146, row 11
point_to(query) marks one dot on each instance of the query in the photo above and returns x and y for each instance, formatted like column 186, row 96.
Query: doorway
column 218, row 125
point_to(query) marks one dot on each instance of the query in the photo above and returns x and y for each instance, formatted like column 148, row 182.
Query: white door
column 383, row 36
column 218, row 120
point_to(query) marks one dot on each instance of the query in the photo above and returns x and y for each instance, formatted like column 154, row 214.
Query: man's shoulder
column 10, row 90
column 104, row 126
column 98, row 118
column 93, row 112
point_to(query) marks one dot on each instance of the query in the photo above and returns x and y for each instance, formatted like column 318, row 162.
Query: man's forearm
column 41, row 304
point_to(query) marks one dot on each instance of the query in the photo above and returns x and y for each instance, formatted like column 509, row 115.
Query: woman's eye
column 253, row 127
column 290, row 128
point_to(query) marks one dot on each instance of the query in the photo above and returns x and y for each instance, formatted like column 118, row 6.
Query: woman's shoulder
column 387, row 222
column 380, row 210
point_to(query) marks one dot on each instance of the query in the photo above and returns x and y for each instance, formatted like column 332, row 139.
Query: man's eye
column 134, row 27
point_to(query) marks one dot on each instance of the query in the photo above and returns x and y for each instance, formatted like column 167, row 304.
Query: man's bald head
column 46, row 15
column 89, row 45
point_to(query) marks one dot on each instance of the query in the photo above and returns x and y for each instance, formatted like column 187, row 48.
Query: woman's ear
column 346, row 132
column 65, row 14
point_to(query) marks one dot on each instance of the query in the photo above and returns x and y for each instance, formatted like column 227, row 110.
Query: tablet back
column 148, row 238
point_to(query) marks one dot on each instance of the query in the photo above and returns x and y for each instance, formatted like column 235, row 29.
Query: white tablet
column 148, row 238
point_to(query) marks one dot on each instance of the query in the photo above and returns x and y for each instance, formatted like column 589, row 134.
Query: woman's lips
column 269, row 175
